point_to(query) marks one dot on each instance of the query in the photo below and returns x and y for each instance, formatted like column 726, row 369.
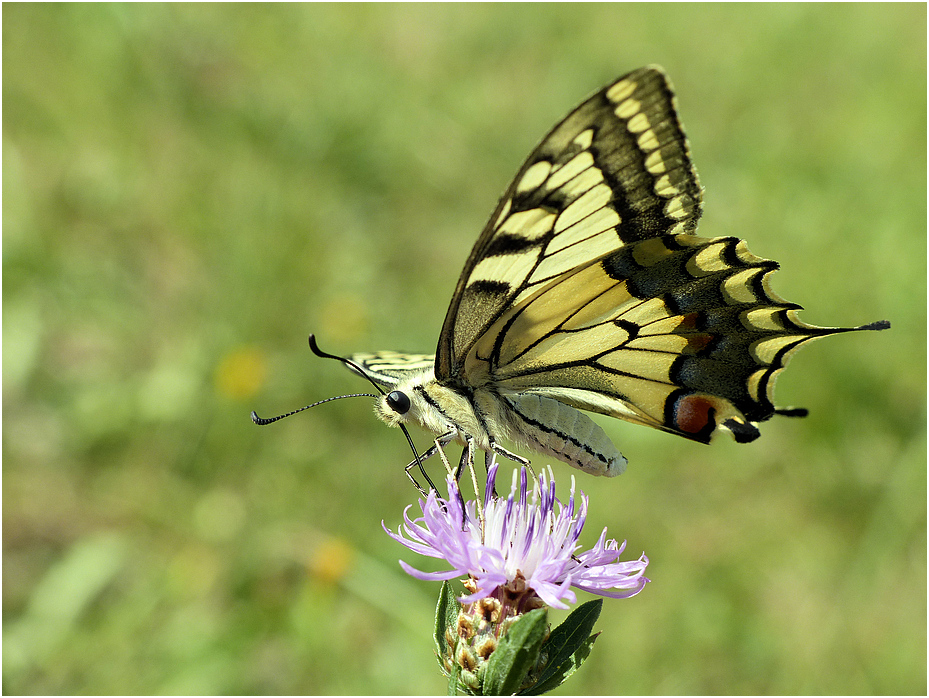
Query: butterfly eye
column 398, row 402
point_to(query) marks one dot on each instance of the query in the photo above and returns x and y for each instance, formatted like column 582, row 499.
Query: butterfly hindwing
column 678, row 332
column 390, row 368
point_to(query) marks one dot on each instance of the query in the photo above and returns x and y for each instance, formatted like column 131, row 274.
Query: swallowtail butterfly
column 589, row 290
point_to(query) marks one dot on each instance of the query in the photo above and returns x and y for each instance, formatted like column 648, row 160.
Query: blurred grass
column 189, row 190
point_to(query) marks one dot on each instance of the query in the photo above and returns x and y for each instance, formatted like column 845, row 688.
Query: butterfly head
column 394, row 408
column 417, row 400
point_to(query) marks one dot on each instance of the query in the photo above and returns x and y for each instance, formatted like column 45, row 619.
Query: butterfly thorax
column 435, row 407
column 487, row 415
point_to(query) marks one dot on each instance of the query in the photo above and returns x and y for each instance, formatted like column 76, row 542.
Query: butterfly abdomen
column 553, row 428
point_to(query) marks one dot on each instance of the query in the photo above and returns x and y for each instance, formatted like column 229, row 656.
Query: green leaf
column 453, row 680
column 516, row 653
column 569, row 636
column 567, row 668
column 446, row 613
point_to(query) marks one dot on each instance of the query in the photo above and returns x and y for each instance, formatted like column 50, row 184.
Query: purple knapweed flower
column 525, row 551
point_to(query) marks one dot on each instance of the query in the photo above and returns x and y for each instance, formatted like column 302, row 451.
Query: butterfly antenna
column 314, row 347
column 261, row 421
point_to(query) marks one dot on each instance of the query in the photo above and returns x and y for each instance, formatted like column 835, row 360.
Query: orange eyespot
column 693, row 414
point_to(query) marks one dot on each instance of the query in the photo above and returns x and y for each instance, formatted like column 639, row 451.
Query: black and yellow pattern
column 389, row 368
column 614, row 171
column 588, row 289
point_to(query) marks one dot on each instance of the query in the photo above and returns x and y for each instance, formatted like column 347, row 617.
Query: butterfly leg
column 437, row 447
column 448, row 466
column 465, row 453
column 488, row 461
column 418, row 462
column 413, row 479
column 500, row 451
column 467, row 459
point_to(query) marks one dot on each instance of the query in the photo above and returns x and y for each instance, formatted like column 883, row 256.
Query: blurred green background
column 190, row 190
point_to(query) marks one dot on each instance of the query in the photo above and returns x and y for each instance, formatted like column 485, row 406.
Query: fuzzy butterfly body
column 588, row 290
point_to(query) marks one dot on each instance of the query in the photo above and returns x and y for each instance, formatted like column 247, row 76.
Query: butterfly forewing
column 614, row 171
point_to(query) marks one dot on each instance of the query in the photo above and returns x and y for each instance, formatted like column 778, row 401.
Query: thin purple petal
column 532, row 537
